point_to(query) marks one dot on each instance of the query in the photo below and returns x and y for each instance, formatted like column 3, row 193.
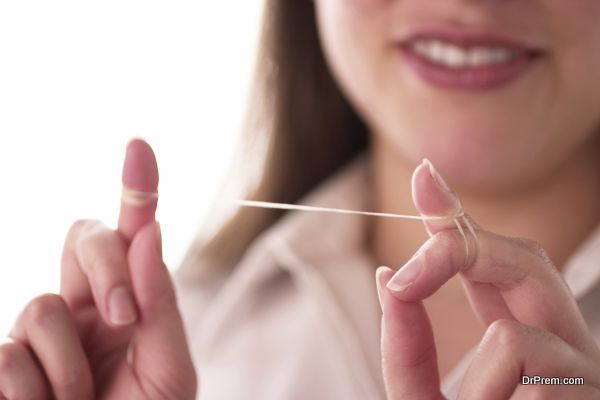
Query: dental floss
column 284, row 206
column 459, row 215
column 137, row 197
column 140, row 198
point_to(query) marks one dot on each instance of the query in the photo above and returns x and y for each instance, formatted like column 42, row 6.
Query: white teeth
column 501, row 55
column 479, row 56
column 453, row 56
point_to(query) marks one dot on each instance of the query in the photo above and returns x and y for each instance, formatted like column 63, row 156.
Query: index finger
column 505, row 277
column 408, row 352
column 140, row 188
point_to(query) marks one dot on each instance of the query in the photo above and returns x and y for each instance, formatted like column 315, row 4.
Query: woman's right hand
column 115, row 331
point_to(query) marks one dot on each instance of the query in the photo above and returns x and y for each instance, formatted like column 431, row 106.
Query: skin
column 546, row 123
column 82, row 345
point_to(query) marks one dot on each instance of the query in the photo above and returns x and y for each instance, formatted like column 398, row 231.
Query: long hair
column 298, row 130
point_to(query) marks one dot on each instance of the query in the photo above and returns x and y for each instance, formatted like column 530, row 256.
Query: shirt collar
column 316, row 237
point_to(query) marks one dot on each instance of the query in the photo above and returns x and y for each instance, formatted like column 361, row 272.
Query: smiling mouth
column 467, row 61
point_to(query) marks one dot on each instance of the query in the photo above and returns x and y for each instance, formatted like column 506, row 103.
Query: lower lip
column 472, row 78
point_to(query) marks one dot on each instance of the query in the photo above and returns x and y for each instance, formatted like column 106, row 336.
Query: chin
column 480, row 159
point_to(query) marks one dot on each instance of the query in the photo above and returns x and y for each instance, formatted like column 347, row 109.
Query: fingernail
column 378, row 273
column 121, row 309
column 442, row 183
column 406, row 275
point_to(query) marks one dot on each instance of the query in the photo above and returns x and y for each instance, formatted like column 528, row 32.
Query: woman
column 501, row 96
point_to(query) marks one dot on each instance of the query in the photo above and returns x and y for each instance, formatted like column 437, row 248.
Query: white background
column 77, row 80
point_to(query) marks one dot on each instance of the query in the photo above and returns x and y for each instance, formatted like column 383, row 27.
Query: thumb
column 433, row 197
column 407, row 344
column 160, row 355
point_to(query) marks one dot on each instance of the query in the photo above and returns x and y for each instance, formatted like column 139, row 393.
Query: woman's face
column 495, row 93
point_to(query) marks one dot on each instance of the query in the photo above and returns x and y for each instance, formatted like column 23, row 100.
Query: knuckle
column 90, row 232
column 44, row 308
column 97, row 264
column 100, row 252
column 67, row 381
column 444, row 238
column 444, row 242
column 105, row 268
column 78, row 227
column 14, row 357
column 79, row 233
column 447, row 243
column 506, row 334
column 9, row 356
column 536, row 249
column 167, row 301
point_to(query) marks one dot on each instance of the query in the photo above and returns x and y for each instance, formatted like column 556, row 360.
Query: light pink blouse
column 298, row 318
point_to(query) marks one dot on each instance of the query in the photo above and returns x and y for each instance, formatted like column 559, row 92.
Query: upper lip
column 469, row 37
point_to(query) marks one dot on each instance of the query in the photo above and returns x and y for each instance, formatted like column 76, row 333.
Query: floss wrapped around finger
column 137, row 197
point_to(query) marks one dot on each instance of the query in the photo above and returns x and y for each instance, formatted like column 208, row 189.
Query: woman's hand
column 115, row 331
column 534, row 324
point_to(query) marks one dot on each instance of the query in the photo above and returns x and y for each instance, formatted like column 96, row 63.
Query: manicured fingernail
column 121, row 309
column 442, row 183
column 406, row 275
column 378, row 273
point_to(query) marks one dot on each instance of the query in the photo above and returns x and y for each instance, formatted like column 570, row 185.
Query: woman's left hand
column 534, row 326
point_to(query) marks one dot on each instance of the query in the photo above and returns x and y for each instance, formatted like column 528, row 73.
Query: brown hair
column 298, row 130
